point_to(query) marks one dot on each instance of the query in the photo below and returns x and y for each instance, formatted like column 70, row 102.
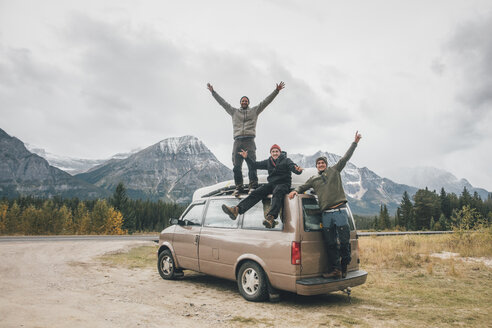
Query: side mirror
column 174, row 221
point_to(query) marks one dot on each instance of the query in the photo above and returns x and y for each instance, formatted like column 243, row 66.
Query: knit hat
column 275, row 146
column 321, row 158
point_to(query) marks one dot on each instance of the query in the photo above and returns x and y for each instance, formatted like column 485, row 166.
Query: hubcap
column 166, row 265
column 250, row 281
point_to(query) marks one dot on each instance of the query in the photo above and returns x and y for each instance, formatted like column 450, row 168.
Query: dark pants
column 237, row 160
column 335, row 226
column 278, row 191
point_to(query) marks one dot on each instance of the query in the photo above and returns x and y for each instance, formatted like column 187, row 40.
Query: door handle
column 197, row 238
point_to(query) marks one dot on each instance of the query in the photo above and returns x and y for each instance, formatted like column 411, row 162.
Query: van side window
column 194, row 214
column 215, row 216
column 253, row 218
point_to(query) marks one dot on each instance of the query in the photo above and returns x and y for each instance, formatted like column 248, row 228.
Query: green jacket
column 244, row 120
column 328, row 184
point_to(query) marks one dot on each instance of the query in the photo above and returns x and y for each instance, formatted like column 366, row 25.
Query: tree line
column 432, row 211
column 116, row 215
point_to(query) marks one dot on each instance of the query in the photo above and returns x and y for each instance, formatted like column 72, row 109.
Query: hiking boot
column 233, row 212
column 252, row 187
column 239, row 189
column 270, row 222
column 344, row 271
column 335, row 274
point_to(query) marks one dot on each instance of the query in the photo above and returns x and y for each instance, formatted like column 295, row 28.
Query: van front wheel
column 251, row 281
column 165, row 265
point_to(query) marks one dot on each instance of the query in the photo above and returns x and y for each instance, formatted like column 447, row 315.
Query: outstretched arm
column 229, row 109
column 270, row 98
column 343, row 161
column 257, row 165
column 300, row 189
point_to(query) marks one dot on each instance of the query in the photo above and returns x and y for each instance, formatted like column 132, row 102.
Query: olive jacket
column 328, row 184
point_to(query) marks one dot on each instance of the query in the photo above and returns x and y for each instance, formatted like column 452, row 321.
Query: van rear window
column 312, row 215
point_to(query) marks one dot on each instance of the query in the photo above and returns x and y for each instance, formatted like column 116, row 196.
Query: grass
column 135, row 258
column 406, row 285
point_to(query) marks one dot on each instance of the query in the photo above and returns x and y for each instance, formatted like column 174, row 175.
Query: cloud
column 470, row 51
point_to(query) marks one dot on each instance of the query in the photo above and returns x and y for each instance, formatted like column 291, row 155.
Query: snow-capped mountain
column 435, row 179
column 25, row 173
column 171, row 170
column 72, row 165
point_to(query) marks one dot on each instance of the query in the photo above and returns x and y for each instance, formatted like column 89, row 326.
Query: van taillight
column 296, row 253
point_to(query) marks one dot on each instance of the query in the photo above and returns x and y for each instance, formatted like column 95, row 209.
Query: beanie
column 321, row 158
column 275, row 146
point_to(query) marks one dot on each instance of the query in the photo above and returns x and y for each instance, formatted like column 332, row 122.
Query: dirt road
column 63, row 284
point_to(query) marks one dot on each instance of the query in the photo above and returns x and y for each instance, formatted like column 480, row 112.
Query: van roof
column 226, row 187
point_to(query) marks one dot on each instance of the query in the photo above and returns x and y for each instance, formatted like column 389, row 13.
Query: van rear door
column 313, row 246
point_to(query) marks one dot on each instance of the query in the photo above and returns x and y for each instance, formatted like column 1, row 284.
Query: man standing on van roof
column 327, row 184
column 244, row 128
column 279, row 180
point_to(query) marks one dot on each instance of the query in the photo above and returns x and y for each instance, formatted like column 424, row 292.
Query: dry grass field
column 411, row 283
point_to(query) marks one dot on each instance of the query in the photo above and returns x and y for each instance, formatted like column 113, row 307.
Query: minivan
column 290, row 257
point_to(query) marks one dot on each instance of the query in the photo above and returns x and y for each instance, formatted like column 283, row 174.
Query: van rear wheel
column 252, row 283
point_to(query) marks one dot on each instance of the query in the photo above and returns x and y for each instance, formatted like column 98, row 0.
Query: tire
column 166, row 265
column 252, row 283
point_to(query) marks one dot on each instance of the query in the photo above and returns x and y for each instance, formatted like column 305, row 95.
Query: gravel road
column 64, row 284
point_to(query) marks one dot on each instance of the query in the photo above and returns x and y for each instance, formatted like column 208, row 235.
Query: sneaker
column 231, row 211
column 335, row 274
column 270, row 222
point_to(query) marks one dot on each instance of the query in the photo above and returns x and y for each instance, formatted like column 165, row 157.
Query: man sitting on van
column 279, row 181
column 327, row 184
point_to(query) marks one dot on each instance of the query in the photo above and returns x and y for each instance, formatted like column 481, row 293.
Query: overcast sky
column 89, row 79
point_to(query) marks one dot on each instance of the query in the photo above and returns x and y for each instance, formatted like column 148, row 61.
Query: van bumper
column 320, row 285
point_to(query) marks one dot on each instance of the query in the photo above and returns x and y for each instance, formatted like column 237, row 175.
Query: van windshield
column 312, row 215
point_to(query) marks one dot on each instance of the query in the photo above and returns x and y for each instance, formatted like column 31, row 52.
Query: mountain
column 435, row 179
column 365, row 189
column 74, row 165
column 170, row 170
column 25, row 173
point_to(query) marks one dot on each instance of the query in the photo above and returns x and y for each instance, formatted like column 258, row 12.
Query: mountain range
column 25, row 173
column 172, row 169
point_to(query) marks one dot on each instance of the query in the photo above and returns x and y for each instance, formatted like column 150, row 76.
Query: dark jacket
column 279, row 171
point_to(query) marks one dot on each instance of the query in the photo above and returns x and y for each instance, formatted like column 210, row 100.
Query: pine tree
column 407, row 212
column 465, row 198
column 427, row 205
column 122, row 203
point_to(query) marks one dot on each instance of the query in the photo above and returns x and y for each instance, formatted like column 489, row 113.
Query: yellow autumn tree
column 3, row 218
column 114, row 223
column 82, row 220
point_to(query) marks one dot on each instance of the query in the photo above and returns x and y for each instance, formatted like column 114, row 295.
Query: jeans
column 248, row 144
column 278, row 191
column 336, row 226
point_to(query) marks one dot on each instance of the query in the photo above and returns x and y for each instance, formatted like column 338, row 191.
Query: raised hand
column 358, row 136
column 280, row 86
column 243, row 153
column 210, row 87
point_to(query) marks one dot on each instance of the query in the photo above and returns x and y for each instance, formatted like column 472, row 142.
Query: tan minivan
column 290, row 257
